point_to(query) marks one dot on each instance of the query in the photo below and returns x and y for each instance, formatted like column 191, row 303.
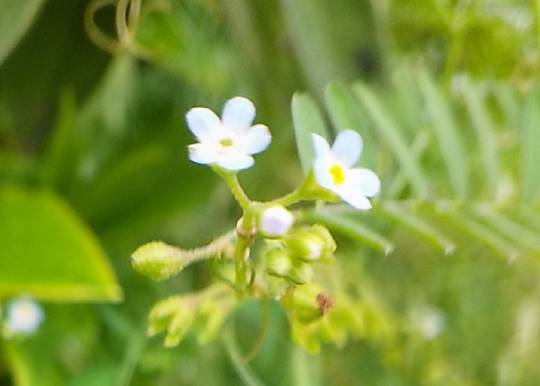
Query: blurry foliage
column 90, row 138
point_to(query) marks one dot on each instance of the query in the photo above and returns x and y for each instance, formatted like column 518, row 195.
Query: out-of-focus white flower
column 275, row 221
column 228, row 142
column 429, row 321
column 23, row 316
column 333, row 169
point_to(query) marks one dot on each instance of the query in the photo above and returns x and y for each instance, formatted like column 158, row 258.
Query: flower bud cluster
column 203, row 312
column 291, row 260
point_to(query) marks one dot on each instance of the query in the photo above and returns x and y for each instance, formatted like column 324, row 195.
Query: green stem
column 289, row 199
column 232, row 182
column 241, row 368
column 262, row 334
column 240, row 251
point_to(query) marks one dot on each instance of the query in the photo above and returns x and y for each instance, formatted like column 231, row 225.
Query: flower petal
column 202, row 153
column 354, row 198
column 347, row 147
column 321, row 146
column 238, row 114
column 235, row 161
column 257, row 139
column 203, row 122
column 364, row 182
column 321, row 168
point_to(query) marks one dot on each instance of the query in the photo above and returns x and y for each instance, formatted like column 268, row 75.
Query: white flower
column 228, row 142
column 429, row 321
column 275, row 221
column 24, row 316
column 333, row 169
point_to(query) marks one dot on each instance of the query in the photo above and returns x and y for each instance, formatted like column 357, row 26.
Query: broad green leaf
column 418, row 225
column 388, row 129
column 48, row 252
column 450, row 139
column 307, row 119
column 345, row 114
column 530, row 145
column 352, row 229
column 16, row 17
column 485, row 134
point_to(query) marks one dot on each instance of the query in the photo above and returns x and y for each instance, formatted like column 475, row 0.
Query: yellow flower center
column 338, row 174
column 226, row 142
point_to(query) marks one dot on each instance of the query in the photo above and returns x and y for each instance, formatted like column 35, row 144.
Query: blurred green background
column 93, row 163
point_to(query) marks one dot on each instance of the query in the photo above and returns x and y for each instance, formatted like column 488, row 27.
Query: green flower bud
column 310, row 243
column 276, row 286
column 180, row 325
column 278, row 262
column 162, row 313
column 300, row 273
column 308, row 304
column 158, row 260
column 173, row 315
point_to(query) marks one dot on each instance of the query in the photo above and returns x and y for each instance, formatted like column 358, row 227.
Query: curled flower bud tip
column 276, row 221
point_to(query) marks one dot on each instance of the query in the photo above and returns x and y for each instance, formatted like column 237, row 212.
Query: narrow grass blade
column 351, row 229
column 399, row 183
column 387, row 129
column 485, row 135
column 345, row 114
column 418, row 225
column 486, row 236
column 60, row 153
column 530, row 218
column 508, row 103
column 511, row 229
column 307, row 119
column 530, row 145
column 450, row 139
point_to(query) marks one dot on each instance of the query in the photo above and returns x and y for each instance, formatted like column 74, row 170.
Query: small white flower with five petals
column 228, row 142
column 333, row 169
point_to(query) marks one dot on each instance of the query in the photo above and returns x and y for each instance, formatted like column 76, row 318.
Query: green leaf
column 307, row 119
column 419, row 146
column 311, row 36
column 15, row 19
column 530, row 143
column 513, row 230
column 59, row 157
column 48, row 252
column 418, row 225
column 482, row 233
column 485, row 134
column 345, row 114
column 450, row 139
column 393, row 136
